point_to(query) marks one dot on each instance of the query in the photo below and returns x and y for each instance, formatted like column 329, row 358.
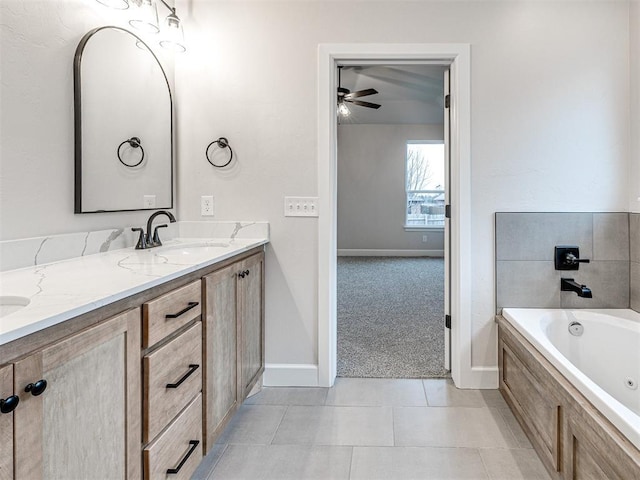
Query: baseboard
column 290, row 375
column 483, row 378
column 356, row 252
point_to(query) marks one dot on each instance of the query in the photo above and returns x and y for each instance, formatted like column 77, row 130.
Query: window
column 425, row 185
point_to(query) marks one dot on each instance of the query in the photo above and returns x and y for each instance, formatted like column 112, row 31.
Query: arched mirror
column 123, row 125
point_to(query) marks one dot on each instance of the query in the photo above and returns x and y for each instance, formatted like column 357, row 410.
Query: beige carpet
column 390, row 317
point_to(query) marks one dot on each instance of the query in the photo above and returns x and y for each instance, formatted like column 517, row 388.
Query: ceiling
column 409, row 94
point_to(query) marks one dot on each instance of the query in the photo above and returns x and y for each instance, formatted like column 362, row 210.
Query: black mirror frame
column 77, row 109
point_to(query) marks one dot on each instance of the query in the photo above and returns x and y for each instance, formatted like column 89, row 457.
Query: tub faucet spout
column 570, row 285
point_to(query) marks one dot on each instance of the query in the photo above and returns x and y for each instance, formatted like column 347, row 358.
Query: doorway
column 391, row 192
column 458, row 57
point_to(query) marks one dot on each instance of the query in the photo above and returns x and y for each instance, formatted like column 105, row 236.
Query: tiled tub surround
column 65, row 289
column 525, row 273
column 634, row 260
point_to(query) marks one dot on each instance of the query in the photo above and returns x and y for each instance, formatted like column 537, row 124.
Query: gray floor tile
column 451, row 427
column 283, row 462
column 442, row 392
column 376, row 392
column 336, row 426
column 253, row 424
column 520, row 464
column 288, row 396
column 416, row 463
column 521, row 438
column 208, row 463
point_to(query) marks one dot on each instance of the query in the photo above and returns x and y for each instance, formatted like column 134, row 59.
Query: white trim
column 290, row 375
column 365, row 252
column 459, row 58
column 483, row 378
column 418, row 228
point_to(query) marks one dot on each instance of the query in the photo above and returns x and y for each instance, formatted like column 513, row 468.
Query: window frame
column 419, row 228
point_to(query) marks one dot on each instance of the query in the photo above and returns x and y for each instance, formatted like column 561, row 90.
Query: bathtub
column 603, row 363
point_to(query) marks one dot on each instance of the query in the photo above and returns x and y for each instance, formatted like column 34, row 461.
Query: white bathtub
column 601, row 363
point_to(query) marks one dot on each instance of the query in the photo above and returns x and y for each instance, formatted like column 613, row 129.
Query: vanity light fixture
column 146, row 20
column 146, row 17
column 117, row 4
column 172, row 32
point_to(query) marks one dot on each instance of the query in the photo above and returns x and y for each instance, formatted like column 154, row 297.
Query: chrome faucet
column 570, row 285
column 149, row 240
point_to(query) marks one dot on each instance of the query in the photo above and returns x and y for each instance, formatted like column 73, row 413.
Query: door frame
column 458, row 56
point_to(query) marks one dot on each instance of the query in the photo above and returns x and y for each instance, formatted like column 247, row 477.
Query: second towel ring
column 222, row 143
column 134, row 142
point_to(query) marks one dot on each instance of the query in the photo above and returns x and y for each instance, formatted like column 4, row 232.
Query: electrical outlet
column 206, row 205
column 149, row 201
column 300, row 206
column 424, row 239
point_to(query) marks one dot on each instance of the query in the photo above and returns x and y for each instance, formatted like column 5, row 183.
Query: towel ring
column 134, row 142
column 222, row 143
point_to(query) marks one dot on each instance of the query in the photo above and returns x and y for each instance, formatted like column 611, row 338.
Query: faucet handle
column 142, row 239
column 571, row 259
column 156, row 238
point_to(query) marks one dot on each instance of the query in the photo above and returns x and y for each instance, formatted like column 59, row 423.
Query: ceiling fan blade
column 362, row 93
column 363, row 104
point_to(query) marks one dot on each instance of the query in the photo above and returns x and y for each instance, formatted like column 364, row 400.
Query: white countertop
column 63, row 290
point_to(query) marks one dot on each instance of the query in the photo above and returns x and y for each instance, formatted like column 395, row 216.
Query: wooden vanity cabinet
column 234, row 340
column 251, row 314
column 125, row 395
column 85, row 421
column 6, row 424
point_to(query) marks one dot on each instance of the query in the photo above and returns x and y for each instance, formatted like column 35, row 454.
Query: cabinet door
column 86, row 423
column 6, row 425
column 220, row 351
column 251, row 314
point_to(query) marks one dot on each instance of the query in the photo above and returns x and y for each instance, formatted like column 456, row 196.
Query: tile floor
column 370, row 429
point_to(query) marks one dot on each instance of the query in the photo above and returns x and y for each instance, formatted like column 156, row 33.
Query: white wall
column 634, row 64
column 550, row 124
column 39, row 39
column 371, row 187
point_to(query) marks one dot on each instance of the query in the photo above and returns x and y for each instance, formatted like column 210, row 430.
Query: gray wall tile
column 527, row 284
column 610, row 236
column 532, row 236
column 608, row 281
column 634, row 233
column 635, row 286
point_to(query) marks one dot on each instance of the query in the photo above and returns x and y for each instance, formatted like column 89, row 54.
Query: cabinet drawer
column 176, row 448
column 169, row 312
column 172, row 377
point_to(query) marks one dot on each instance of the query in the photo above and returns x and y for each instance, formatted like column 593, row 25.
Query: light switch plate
column 300, row 206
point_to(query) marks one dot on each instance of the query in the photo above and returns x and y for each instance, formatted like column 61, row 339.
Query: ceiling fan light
column 343, row 110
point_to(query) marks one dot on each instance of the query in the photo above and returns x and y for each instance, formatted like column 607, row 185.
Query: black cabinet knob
column 246, row 272
column 9, row 404
column 241, row 274
column 36, row 388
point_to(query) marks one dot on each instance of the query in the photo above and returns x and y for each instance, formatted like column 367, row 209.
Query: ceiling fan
column 347, row 96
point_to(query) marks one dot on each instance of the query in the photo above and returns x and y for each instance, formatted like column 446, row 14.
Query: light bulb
column 146, row 17
column 343, row 109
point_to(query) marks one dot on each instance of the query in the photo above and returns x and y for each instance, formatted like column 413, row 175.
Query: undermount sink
column 12, row 304
column 193, row 246
column 191, row 250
